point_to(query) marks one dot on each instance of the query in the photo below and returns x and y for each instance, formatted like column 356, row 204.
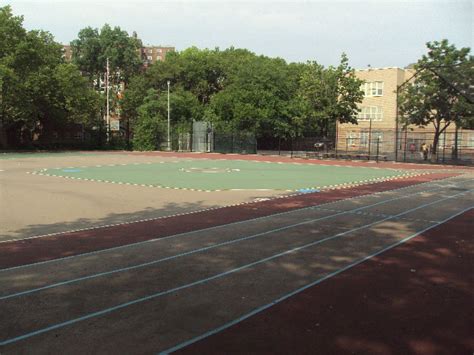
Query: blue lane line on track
column 293, row 293
column 153, row 262
column 131, row 245
column 202, row 281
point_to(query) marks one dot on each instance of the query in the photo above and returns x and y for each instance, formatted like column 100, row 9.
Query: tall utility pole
column 169, row 140
column 108, row 107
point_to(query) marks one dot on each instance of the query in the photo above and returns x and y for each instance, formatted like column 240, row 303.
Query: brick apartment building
column 377, row 121
column 148, row 54
column 152, row 54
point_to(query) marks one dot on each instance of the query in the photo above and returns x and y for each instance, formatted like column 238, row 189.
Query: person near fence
column 424, row 151
column 412, row 148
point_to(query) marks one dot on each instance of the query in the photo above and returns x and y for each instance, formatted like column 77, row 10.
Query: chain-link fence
column 299, row 146
column 453, row 147
column 373, row 148
column 203, row 137
column 235, row 142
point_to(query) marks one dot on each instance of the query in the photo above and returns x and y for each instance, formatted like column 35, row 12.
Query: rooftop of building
column 384, row 68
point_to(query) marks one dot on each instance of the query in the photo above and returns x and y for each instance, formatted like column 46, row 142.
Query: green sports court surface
column 215, row 175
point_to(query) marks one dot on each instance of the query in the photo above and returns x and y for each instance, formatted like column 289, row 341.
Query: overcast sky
column 380, row 33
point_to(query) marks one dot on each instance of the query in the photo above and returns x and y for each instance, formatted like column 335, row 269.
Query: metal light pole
column 169, row 140
column 108, row 105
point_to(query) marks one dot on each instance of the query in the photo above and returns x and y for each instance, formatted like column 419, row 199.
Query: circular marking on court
column 214, row 170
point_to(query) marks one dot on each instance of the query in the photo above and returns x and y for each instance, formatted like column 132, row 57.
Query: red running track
column 414, row 299
column 27, row 251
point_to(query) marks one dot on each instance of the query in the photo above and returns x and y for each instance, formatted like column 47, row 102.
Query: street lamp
column 107, row 113
column 169, row 140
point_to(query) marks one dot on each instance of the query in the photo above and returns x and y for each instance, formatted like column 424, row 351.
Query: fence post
column 378, row 149
column 459, row 149
column 370, row 136
column 444, row 145
column 232, row 146
column 405, row 145
column 291, row 146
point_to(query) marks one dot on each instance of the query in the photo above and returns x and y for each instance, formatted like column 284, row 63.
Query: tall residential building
column 377, row 118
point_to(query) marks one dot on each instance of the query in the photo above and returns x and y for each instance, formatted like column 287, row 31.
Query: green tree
column 258, row 96
column 38, row 91
column 92, row 48
column 150, row 128
column 436, row 97
column 331, row 95
column 149, row 133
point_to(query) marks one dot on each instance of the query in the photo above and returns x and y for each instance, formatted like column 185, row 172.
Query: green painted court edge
column 218, row 175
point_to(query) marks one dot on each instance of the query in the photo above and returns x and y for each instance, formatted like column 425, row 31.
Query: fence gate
column 202, row 137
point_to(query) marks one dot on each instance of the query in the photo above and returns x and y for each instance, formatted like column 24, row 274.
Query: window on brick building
column 372, row 88
column 352, row 139
column 374, row 113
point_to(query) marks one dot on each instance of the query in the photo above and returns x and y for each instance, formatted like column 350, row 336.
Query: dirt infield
column 414, row 299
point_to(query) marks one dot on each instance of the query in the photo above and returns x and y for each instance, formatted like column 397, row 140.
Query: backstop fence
column 205, row 138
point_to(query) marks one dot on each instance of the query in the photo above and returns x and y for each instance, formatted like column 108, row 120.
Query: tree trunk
column 455, row 150
column 434, row 148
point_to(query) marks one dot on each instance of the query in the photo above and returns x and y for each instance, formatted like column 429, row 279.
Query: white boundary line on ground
column 336, row 187
column 223, row 225
column 42, row 172
column 232, row 271
column 301, row 289
column 353, row 211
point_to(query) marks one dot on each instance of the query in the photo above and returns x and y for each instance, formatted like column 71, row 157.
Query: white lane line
column 215, row 227
column 220, row 275
column 301, row 289
column 194, row 251
column 209, row 209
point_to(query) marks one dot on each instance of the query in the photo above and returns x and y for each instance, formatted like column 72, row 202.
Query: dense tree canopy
column 234, row 89
column 237, row 90
column 38, row 90
column 92, row 48
column 439, row 95
column 330, row 95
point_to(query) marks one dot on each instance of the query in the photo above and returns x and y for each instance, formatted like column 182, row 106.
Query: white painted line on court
column 199, row 250
column 232, row 271
column 301, row 289
column 209, row 228
column 197, row 211
column 229, row 242
column 215, row 227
